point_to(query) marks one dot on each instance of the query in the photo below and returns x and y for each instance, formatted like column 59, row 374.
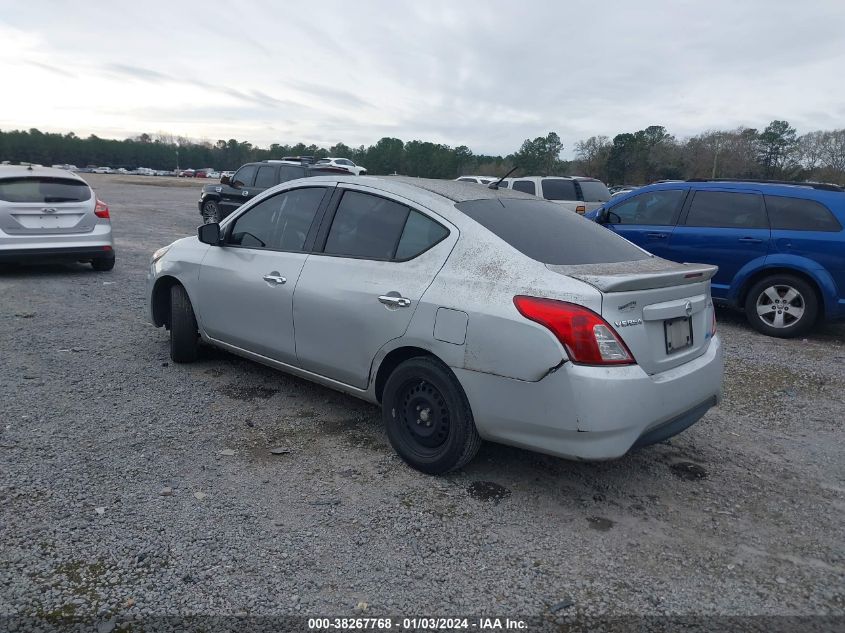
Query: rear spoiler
column 643, row 274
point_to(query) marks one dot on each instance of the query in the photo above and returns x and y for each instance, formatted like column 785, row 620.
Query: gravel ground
column 133, row 487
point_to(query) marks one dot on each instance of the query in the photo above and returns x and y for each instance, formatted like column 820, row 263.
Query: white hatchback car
column 468, row 313
column 52, row 214
column 344, row 163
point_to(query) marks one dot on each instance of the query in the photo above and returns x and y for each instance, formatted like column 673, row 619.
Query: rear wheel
column 103, row 264
column 428, row 418
column 210, row 212
column 782, row 305
column 184, row 336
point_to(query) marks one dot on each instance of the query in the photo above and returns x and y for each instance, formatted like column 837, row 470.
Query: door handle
column 394, row 302
column 657, row 236
column 751, row 240
column 274, row 278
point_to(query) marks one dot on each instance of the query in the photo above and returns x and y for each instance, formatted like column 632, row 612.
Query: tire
column 427, row 417
column 184, row 336
column 210, row 212
column 773, row 303
column 103, row 264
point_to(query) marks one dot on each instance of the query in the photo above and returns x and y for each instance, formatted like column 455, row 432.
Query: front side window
column 266, row 177
column 245, row 176
column 557, row 189
column 44, row 190
column 366, row 226
column 652, row 208
column 280, row 222
column 799, row 214
column 727, row 210
column 524, row 185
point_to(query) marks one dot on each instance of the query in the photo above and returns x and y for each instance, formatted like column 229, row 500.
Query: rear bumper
column 56, row 253
column 594, row 413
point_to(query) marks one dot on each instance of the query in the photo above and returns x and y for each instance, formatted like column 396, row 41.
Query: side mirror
column 209, row 234
column 224, row 179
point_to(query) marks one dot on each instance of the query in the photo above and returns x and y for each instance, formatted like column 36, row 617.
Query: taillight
column 713, row 323
column 587, row 338
column 580, row 209
column 102, row 210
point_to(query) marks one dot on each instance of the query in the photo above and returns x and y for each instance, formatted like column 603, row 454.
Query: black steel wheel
column 427, row 417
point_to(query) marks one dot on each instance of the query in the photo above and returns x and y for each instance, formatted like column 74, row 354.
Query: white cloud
column 483, row 74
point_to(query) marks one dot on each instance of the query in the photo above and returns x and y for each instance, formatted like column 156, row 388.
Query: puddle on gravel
column 688, row 470
column 237, row 392
column 600, row 523
column 487, row 491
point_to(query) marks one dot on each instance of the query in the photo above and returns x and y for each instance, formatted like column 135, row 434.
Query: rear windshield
column 44, row 190
column 549, row 233
column 594, row 191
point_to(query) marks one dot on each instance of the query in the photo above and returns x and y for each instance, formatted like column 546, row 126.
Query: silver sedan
column 467, row 312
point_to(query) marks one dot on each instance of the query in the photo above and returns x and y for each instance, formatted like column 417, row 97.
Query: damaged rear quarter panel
column 481, row 277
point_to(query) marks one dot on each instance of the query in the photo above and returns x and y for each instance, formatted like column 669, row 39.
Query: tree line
column 629, row 158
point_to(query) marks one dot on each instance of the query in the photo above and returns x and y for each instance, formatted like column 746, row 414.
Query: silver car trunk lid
column 660, row 309
column 26, row 218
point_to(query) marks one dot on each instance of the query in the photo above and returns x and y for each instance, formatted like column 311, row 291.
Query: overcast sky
column 483, row 74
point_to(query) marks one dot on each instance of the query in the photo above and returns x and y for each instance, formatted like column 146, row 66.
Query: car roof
column 456, row 190
column 26, row 171
column 794, row 190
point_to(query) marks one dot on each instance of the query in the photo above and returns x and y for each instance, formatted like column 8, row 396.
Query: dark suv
column 218, row 201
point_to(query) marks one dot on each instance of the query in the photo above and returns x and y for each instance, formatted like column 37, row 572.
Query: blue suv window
column 654, row 207
column 797, row 214
column 727, row 210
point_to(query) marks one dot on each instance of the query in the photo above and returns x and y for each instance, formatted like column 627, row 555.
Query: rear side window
column 245, row 175
column 549, row 234
column 280, row 222
column 525, row 185
column 594, row 191
column 44, row 190
column 727, row 210
column 467, row 179
column 266, row 177
column 554, row 189
column 366, row 226
column 798, row 214
column 290, row 172
column 420, row 234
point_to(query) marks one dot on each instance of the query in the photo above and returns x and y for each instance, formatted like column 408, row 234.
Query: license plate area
column 678, row 334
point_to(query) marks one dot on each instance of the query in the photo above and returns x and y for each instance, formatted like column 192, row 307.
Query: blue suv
column 780, row 247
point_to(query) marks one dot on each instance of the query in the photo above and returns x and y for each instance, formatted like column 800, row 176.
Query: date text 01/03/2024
column 415, row 624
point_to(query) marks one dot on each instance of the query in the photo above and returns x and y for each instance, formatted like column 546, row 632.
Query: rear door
column 379, row 255
column 245, row 289
column 727, row 228
column 239, row 190
column 46, row 205
column 648, row 219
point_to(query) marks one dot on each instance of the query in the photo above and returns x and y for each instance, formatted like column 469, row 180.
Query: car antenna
column 495, row 185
